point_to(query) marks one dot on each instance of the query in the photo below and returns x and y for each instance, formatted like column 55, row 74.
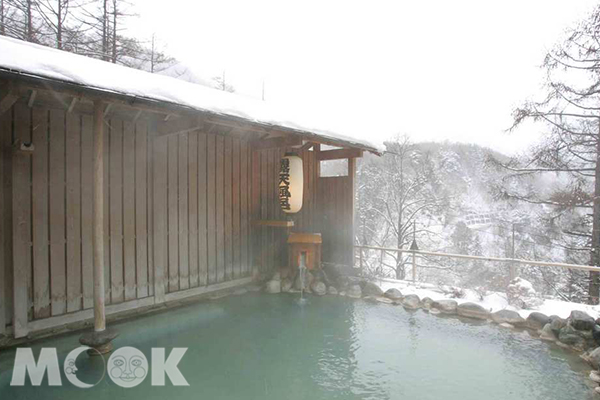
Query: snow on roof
column 45, row 62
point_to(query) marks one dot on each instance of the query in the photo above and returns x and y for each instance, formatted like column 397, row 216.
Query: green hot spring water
column 260, row 346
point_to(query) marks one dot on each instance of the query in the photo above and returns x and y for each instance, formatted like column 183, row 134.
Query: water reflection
column 267, row 347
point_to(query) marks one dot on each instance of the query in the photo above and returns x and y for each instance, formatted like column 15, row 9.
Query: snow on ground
column 494, row 301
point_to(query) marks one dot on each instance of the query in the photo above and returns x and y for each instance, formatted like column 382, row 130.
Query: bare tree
column 55, row 14
column 221, row 84
column 25, row 24
column 158, row 60
column 401, row 191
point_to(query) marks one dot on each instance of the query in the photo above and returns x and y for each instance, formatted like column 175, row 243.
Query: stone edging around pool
column 579, row 332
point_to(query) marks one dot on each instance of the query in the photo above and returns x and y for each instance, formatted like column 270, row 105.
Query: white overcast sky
column 434, row 70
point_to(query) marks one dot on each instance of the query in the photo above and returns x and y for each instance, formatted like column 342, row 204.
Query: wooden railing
column 512, row 261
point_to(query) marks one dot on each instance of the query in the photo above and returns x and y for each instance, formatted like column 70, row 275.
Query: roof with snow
column 28, row 59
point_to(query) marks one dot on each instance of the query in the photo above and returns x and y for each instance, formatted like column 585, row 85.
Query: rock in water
column 286, row 285
column 572, row 337
column 308, row 279
column 594, row 358
column 472, row 310
column 537, row 320
column 371, row 289
column 581, row 321
column 427, row 303
column 595, row 376
column 385, row 300
column 332, row 290
column 276, row 276
column 411, row 301
column 547, row 334
column 446, row 306
column 508, row 316
column 273, row 286
column 318, row 288
column 557, row 323
column 354, row 291
column 393, row 294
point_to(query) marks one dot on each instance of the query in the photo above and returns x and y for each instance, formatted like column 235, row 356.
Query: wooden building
column 188, row 188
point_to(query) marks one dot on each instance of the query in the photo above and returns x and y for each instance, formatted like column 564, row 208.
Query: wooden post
column 98, row 238
column 100, row 339
column 513, row 267
column 352, row 200
column 414, row 267
column 399, row 262
column 360, row 259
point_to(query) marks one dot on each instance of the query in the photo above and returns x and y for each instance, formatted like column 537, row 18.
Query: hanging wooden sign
column 291, row 183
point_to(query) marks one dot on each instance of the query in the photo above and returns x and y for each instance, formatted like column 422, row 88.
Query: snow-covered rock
column 521, row 294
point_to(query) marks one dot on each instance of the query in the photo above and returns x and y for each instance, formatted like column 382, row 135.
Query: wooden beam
column 31, row 100
column 274, row 223
column 72, row 105
column 306, row 146
column 339, row 154
column 177, row 126
column 98, row 236
column 8, row 97
column 138, row 115
column 106, row 110
column 277, row 142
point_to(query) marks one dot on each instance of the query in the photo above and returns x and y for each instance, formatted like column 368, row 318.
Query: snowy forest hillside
column 445, row 196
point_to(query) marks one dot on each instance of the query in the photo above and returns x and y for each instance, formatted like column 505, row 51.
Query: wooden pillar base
column 101, row 341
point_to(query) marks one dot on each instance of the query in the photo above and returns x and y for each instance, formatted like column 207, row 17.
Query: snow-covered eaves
column 28, row 59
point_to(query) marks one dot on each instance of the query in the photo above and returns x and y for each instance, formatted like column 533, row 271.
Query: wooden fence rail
column 512, row 261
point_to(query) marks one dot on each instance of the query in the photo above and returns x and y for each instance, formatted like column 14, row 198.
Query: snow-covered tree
column 571, row 147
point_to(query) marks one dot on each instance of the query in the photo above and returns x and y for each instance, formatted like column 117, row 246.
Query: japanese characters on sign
column 284, row 184
column 291, row 183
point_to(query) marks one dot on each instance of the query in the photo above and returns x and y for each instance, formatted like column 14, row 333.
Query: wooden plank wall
column 6, row 259
column 201, row 182
column 178, row 211
column 335, row 204
column 47, row 258
column 270, row 246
